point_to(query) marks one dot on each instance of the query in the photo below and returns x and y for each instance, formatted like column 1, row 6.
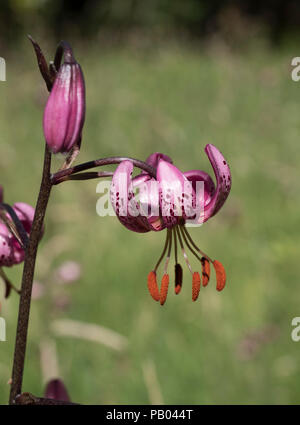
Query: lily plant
column 160, row 198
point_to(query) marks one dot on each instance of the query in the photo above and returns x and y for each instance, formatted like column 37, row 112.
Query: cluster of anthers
column 181, row 235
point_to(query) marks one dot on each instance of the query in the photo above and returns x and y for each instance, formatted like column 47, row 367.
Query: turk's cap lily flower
column 169, row 202
column 172, row 195
column 11, row 252
column 64, row 113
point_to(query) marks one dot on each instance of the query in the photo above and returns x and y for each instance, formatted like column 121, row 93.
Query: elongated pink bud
column 65, row 110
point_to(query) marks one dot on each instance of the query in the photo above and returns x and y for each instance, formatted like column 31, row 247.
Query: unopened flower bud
column 65, row 110
column 56, row 390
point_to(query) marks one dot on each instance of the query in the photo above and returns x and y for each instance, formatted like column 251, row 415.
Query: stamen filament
column 194, row 245
column 175, row 246
column 169, row 251
column 163, row 253
column 183, row 251
column 188, row 245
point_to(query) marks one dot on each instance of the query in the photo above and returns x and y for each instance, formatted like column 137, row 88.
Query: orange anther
column 205, row 271
column 152, row 286
column 164, row 289
column 220, row 275
column 196, row 285
column 178, row 278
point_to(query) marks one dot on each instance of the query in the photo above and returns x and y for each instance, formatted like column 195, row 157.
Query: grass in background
column 230, row 347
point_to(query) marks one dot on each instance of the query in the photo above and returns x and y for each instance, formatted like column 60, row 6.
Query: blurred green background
column 152, row 88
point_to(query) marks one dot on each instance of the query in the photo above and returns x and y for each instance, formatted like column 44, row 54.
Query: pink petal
column 223, row 179
column 176, row 193
column 154, row 159
column 25, row 214
column 195, row 176
column 18, row 253
column 140, row 179
column 123, row 200
column 6, row 249
column 148, row 196
column 65, row 109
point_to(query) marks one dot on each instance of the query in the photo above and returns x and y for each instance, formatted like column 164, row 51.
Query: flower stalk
column 27, row 279
column 63, row 175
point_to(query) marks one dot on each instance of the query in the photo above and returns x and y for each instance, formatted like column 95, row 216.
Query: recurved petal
column 155, row 157
column 24, row 211
column 123, row 199
column 6, row 248
column 176, row 193
column 195, row 176
column 223, row 180
column 148, row 196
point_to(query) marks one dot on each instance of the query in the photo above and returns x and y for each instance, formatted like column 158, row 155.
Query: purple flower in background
column 68, row 272
column 169, row 202
column 11, row 252
column 65, row 109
